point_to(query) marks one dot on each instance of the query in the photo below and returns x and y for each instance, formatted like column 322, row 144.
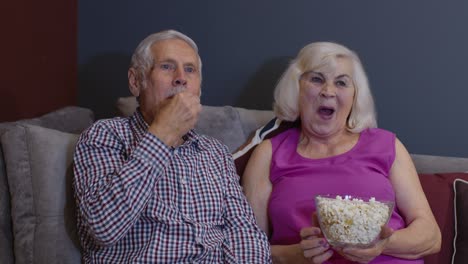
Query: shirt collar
column 139, row 124
column 193, row 138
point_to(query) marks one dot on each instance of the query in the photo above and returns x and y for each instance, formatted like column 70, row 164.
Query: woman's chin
column 325, row 131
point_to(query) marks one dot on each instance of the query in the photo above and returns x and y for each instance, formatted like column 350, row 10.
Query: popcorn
column 351, row 220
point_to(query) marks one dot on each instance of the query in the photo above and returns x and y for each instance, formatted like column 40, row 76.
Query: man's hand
column 174, row 117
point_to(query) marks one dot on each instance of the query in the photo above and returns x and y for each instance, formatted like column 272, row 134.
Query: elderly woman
column 336, row 149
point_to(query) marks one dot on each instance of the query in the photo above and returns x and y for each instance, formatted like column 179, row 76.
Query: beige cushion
column 126, row 105
column 69, row 119
column 39, row 171
column 460, row 254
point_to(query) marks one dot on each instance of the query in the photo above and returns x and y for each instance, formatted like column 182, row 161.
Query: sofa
column 37, row 210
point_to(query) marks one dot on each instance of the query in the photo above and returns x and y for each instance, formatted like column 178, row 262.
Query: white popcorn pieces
column 352, row 220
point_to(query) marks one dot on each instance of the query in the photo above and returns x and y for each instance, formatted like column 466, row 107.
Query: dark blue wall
column 415, row 53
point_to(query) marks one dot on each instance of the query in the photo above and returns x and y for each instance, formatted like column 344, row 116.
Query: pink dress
column 296, row 180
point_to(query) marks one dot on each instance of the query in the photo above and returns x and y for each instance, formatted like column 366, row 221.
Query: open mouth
column 326, row 111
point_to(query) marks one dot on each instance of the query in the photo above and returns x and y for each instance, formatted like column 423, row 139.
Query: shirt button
column 176, row 151
column 183, row 180
column 198, row 240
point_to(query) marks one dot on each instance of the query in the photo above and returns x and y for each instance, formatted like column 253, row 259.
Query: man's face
column 175, row 69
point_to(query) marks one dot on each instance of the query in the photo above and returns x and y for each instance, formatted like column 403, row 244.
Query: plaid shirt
column 140, row 201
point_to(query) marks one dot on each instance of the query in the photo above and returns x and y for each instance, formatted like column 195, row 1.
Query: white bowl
column 352, row 221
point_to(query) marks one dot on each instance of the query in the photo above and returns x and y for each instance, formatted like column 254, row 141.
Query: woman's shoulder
column 285, row 141
column 285, row 134
column 377, row 133
column 377, row 138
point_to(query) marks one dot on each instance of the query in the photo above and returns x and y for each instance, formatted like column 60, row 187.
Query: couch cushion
column 438, row 188
column 68, row 119
column 38, row 162
column 460, row 254
column 272, row 128
column 6, row 237
column 222, row 123
column 251, row 119
column 439, row 164
column 126, row 106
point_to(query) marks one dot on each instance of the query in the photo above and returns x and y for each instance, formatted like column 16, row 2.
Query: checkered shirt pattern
column 140, row 201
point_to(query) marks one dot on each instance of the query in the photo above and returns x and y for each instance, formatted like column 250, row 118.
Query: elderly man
column 148, row 188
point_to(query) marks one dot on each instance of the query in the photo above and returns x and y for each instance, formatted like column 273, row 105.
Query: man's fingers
column 177, row 115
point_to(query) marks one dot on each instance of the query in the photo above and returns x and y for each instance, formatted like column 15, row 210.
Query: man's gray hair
column 316, row 56
column 142, row 59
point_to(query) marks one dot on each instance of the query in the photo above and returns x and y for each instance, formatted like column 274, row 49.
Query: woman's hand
column 366, row 255
column 315, row 248
column 288, row 254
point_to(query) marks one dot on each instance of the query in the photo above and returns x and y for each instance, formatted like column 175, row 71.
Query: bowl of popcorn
column 352, row 221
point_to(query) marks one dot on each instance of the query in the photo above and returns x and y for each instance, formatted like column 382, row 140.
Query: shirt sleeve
column 245, row 242
column 112, row 186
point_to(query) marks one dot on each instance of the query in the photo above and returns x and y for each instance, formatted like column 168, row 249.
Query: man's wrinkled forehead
column 174, row 50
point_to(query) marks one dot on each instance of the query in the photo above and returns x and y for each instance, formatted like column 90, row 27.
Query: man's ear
column 134, row 83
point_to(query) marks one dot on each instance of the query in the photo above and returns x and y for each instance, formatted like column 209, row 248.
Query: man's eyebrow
column 168, row 60
column 165, row 60
column 190, row 64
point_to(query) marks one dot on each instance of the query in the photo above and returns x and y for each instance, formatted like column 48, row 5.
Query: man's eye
column 190, row 69
column 166, row 66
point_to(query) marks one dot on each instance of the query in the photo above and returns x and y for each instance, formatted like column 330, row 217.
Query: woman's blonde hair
column 316, row 56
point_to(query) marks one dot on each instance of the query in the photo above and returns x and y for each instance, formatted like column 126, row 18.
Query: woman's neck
column 315, row 146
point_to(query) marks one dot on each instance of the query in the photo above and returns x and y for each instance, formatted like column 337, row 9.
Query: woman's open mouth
column 326, row 112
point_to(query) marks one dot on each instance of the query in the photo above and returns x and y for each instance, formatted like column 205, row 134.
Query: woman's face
column 326, row 98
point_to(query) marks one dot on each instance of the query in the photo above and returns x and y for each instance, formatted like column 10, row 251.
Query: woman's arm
column 422, row 235
column 256, row 183
column 257, row 188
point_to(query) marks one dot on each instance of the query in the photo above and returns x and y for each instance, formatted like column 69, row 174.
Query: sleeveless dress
column 296, row 180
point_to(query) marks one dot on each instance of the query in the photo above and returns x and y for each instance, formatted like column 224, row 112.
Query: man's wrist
column 168, row 138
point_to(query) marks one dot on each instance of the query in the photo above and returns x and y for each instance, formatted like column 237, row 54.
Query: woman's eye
column 341, row 83
column 316, row 79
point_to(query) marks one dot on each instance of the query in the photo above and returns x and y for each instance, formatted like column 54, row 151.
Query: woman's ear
column 133, row 82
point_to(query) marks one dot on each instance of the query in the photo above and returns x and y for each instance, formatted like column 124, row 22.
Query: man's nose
column 179, row 78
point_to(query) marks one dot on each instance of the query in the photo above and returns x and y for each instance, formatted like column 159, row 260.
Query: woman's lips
column 326, row 112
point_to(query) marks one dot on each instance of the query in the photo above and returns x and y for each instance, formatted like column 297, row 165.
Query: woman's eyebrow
column 343, row 76
column 318, row 73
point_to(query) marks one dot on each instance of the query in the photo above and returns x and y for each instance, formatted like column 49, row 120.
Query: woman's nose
column 328, row 90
